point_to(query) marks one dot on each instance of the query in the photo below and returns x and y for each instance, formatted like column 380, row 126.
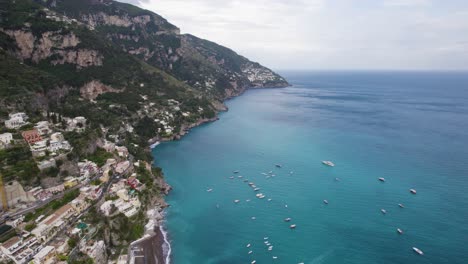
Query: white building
column 43, row 127
column 45, row 256
column 16, row 120
column 45, row 164
column 39, row 148
column 77, row 124
column 6, row 138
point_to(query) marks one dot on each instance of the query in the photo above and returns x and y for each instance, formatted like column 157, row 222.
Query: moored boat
column 382, row 179
column 413, row 191
column 328, row 163
column 399, row 231
column 417, row 250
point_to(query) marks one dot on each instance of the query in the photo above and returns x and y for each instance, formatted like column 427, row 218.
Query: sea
column 410, row 128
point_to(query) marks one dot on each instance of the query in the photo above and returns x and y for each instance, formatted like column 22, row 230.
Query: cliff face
column 210, row 68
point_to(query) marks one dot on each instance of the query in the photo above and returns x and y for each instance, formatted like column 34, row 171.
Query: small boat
column 286, row 206
column 253, row 218
column 250, row 252
column 260, row 195
column 263, row 173
column 278, row 165
column 270, row 248
column 325, row 201
column 265, row 238
column 399, row 231
column 275, row 257
column 248, row 245
column 337, row 179
column 253, row 186
column 417, row 250
column 292, row 226
column 253, row 262
column 266, row 242
column 328, row 163
column 383, row 211
column 240, row 176
column 246, row 180
column 269, row 199
column 413, row 191
column 257, row 189
column 401, row 205
column 248, row 200
column 236, row 171
column 236, row 201
column 291, row 172
column 251, row 183
column 209, row 190
column 382, row 179
column 287, row 219
column 232, row 177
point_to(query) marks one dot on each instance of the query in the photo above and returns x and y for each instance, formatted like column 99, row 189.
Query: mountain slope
column 206, row 66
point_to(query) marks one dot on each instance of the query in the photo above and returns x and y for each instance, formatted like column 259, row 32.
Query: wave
column 167, row 249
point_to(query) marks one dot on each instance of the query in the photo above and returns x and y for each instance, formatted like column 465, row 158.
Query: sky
column 329, row 34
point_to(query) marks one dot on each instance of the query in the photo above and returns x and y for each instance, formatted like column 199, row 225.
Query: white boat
column 253, row 218
column 250, row 252
column 270, row 248
column 260, row 195
column 292, row 226
column 257, row 189
column 275, row 257
column 253, row 186
column 269, row 199
column 263, row 173
column 382, row 179
column 417, row 250
column 328, row 163
column 236, row 201
column 248, row 245
column 253, row 262
column 287, row 219
column 209, row 190
column 413, row 191
column 383, row 211
column 401, row 205
column 399, row 231
column 240, row 176
column 325, row 201
column 251, row 183
column 265, row 238
column 232, row 177
column 236, row 171
column 337, row 179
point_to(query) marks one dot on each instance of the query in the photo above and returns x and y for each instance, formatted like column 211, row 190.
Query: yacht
column 248, row 245
column 328, row 163
column 236, row 201
column 325, row 201
column 382, row 179
column 399, row 231
column 292, row 226
column 417, row 250
column 383, row 211
column 401, row 205
column 413, row 191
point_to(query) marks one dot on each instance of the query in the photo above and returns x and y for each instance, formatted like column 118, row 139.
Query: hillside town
column 46, row 221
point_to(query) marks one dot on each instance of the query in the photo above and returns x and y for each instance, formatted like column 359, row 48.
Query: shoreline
column 157, row 220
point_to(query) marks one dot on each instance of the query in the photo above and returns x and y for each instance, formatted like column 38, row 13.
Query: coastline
column 156, row 215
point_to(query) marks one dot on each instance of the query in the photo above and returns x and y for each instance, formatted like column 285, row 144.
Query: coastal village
column 46, row 221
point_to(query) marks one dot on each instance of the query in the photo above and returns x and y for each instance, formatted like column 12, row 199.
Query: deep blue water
column 409, row 127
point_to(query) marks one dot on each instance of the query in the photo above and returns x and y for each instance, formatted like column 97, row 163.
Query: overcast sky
column 329, row 34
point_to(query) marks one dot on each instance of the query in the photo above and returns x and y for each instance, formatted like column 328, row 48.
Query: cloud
column 329, row 34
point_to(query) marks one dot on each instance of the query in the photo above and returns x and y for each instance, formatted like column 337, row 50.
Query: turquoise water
column 410, row 128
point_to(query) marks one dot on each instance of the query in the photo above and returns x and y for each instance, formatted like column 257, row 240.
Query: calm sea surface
column 410, row 128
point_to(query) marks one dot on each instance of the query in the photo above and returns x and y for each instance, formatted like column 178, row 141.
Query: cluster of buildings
column 126, row 202
column 41, row 141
